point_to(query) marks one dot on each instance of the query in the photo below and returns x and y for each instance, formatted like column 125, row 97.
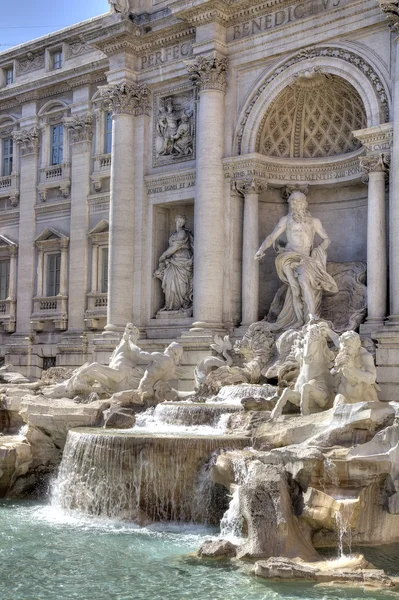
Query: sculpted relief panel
column 174, row 127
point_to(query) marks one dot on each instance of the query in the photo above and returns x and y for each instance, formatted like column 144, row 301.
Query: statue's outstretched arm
column 275, row 234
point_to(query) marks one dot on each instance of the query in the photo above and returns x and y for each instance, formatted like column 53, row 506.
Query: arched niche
column 345, row 64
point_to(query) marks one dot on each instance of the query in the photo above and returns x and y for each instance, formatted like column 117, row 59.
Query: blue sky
column 24, row 20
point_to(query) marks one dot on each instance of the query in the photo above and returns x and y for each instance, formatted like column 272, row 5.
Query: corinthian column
column 250, row 267
column 209, row 74
column 125, row 100
column 376, row 168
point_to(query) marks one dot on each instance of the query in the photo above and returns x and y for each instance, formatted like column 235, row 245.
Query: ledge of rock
column 324, row 572
column 217, row 549
column 15, row 460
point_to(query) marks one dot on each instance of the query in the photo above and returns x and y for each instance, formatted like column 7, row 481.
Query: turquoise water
column 45, row 555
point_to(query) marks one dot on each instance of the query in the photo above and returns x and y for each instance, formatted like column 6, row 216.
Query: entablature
column 278, row 172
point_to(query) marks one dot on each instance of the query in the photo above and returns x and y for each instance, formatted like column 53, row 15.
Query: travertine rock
column 15, row 460
column 217, row 549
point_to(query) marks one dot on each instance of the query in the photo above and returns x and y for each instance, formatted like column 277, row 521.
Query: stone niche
column 174, row 126
column 343, row 212
column 163, row 226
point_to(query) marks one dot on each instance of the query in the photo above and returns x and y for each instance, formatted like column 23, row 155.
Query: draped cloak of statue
column 176, row 269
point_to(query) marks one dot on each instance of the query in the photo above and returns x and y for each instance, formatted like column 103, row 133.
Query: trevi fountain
column 280, row 466
column 187, row 411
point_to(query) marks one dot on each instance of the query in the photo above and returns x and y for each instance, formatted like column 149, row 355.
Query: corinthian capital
column 250, row 186
column 208, row 73
column 28, row 139
column 375, row 163
column 391, row 8
column 127, row 98
column 80, row 127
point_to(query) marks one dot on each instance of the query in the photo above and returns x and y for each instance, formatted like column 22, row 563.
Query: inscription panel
column 285, row 16
column 165, row 55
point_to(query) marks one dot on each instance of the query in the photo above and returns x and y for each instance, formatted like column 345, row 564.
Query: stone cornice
column 279, row 172
column 52, row 86
column 376, row 139
column 69, row 35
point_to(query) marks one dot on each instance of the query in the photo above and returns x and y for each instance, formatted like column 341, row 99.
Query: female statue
column 176, row 268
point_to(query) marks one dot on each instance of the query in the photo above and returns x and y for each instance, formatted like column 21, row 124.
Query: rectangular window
column 4, row 278
column 53, row 274
column 9, row 75
column 104, row 274
column 8, row 148
column 57, row 144
column 108, row 133
column 56, row 59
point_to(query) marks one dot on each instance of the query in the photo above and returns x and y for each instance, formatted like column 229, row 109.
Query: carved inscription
column 164, row 55
column 290, row 14
column 171, row 187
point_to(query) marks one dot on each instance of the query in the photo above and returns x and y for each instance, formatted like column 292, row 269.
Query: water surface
column 47, row 555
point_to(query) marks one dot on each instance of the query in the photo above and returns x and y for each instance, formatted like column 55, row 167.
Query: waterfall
column 140, row 477
column 343, row 519
column 232, row 523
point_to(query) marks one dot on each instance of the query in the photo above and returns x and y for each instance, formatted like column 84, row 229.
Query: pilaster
column 27, row 139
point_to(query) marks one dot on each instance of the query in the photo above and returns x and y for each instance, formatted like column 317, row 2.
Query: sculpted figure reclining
column 129, row 368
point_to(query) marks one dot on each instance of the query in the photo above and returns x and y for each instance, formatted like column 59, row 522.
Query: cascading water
column 142, row 478
column 185, row 418
column 232, row 523
column 343, row 518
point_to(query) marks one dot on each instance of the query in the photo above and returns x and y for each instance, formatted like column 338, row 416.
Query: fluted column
column 125, row 100
column 250, row 189
column 210, row 75
column 376, row 168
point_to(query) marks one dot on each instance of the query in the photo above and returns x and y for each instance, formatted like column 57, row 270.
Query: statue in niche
column 300, row 265
column 174, row 128
column 176, row 268
column 121, row 6
column 355, row 367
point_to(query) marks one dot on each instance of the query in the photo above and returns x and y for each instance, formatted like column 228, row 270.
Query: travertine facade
column 215, row 109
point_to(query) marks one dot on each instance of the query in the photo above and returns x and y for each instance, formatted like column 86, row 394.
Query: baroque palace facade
column 167, row 124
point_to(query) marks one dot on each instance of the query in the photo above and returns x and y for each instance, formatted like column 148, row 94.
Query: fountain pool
column 46, row 554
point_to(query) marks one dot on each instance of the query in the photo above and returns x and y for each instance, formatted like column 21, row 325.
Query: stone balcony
column 53, row 177
column 9, row 188
column 53, row 309
column 96, row 313
column 102, row 170
column 8, row 310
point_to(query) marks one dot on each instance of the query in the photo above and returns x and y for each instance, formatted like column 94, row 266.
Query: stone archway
column 334, row 61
